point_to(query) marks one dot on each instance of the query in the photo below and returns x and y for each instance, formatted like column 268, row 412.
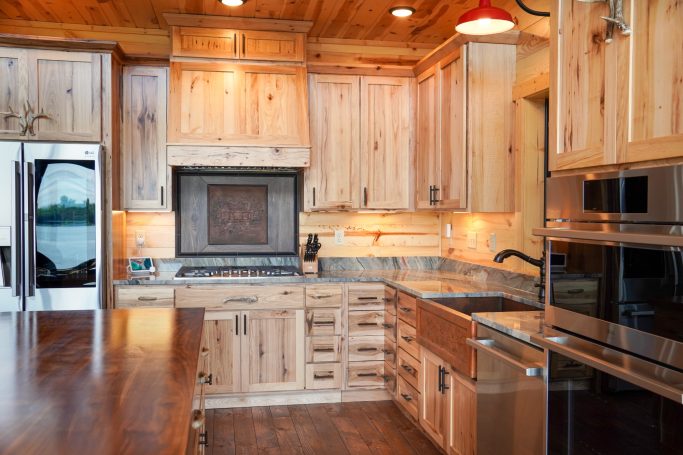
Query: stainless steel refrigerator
column 50, row 226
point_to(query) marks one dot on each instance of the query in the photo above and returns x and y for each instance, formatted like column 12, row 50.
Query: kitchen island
column 98, row 382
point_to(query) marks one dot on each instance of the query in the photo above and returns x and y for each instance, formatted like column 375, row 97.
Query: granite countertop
column 522, row 325
column 423, row 284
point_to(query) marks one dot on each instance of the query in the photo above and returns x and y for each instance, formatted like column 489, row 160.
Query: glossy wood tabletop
column 98, row 382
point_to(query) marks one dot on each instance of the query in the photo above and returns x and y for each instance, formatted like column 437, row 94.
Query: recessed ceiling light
column 402, row 11
column 232, row 2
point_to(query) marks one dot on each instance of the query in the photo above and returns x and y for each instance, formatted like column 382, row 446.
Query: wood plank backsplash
column 365, row 234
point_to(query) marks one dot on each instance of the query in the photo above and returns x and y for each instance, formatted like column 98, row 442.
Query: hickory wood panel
column 365, row 296
column 365, row 374
column 408, row 368
column 462, row 434
column 204, row 42
column 221, row 337
column 268, row 45
column 324, row 349
column 366, row 323
column 427, row 140
column 143, row 151
column 407, row 308
column 144, row 296
column 390, row 377
column 434, row 404
column 390, row 350
column 14, row 93
column 324, row 295
column 365, row 348
column 273, row 357
column 240, row 297
column 407, row 397
column 323, row 376
column 323, row 321
column 407, row 339
column 236, row 156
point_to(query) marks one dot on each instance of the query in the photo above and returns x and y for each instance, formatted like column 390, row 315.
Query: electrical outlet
column 449, row 231
column 140, row 239
column 338, row 236
column 492, row 242
column 472, row 240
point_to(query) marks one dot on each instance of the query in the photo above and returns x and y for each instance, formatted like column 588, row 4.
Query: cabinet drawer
column 575, row 292
column 366, row 297
column 323, row 376
column 323, row 321
column 323, row 349
column 144, row 296
column 231, row 297
column 407, row 339
column 390, row 326
column 327, row 296
column 366, row 323
column 390, row 300
column 366, row 374
column 390, row 378
column 390, row 352
column 407, row 397
column 406, row 308
column 366, row 348
column 408, row 368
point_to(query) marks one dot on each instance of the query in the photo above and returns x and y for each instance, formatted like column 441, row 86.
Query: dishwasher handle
column 487, row 346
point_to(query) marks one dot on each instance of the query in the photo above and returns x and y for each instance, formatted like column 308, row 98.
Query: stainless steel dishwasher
column 510, row 395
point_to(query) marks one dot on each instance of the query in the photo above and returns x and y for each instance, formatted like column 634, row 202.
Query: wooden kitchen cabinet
column 222, row 339
column 231, row 104
column 60, row 93
column 360, row 143
column 606, row 117
column 462, row 428
column 275, row 46
column 464, row 131
column 137, row 296
column 145, row 178
column 434, row 399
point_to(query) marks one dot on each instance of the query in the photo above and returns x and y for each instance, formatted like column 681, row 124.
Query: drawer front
column 575, row 291
column 323, row 321
column 366, row 297
column 406, row 308
column 390, row 326
column 390, row 300
column 407, row 339
column 323, row 376
column 366, row 375
column 390, row 378
column 408, row 368
column 238, row 297
column 366, row 323
column 323, row 349
column 390, row 352
column 407, row 397
column 144, row 296
column 326, row 296
column 366, row 348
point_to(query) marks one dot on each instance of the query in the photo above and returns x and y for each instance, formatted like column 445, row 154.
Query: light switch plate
column 338, row 236
column 140, row 239
column 472, row 240
column 449, row 231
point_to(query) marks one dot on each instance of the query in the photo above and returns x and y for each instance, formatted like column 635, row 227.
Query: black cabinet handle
column 162, row 195
column 244, row 44
column 323, row 349
column 234, row 44
column 386, row 325
column 313, row 196
column 444, row 387
column 408, row 368
column 436, row 192
column 367, row 375
column 407, row 397
column 440, row 383
column 237, row 325
column 245, row 324
column 368, row 349
column 368, row 298
column 409, row 339
column 405, row 309
column 364, row 324
column 365, row 196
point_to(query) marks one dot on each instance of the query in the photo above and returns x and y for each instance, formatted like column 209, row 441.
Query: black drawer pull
column 409, row 339
column 387, row 325
column 405, row 309
column 325, row 375
column 367, row 324
column 408, row 368
column 368, row 298
column 323, row 323
column 575, row 291
column 322, row 296
column 367, row 375
column 368, row 349
column 323, row 349
column 388, row 351
column 407, row 397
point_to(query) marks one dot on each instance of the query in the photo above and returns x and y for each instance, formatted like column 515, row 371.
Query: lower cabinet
column 222, row 339
column 434, row 397
column 462, row 435
column 198, row 434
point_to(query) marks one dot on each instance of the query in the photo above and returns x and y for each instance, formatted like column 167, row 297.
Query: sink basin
column 469, row 305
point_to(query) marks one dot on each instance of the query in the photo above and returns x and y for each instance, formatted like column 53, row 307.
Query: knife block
column 308, row 267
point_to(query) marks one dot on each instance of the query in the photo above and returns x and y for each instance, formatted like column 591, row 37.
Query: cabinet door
column 66, row 87
column 462, row 435
column 653, row 123
column 13, row 91
column 276, row 110
column 204, row 42
column 277, row 46
column 427, row 144
column 273, row 350
column 222, row 339
column 205, row 103
column 434, row 402
column 583, row 87
column 332, row 179
column 385, row 143
column 144, row 138
column 452, row 192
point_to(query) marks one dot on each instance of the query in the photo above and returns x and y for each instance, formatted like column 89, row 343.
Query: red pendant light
column 484, row 20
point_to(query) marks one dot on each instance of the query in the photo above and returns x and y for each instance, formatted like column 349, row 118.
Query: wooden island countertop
column 98, row 382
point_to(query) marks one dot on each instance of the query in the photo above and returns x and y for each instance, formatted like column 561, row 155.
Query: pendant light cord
column 533, row 12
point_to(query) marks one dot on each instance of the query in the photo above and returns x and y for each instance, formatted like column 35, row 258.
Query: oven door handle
column 487, row 345
column 657, row 379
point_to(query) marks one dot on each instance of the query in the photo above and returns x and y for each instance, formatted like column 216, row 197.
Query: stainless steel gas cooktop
column 236, row 272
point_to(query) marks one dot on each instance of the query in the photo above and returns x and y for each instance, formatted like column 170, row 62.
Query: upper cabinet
column 615, row 102
column 50, row 95
column 276, row 46
column 361, row 143
column 143, row 148
column 232, row 104
column 464, row 131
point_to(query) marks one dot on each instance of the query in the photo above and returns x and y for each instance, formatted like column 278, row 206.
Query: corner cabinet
column 235, row 104
column 59, row 95
column 143, row 148
column 465, row 121
column 360, row 143
column 624, row 106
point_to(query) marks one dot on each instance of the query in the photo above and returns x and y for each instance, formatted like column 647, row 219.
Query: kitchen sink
column 469, row 305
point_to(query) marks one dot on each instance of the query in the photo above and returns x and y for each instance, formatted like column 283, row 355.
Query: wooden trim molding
column 55, row 43
column 238, row 156
column 240, row 23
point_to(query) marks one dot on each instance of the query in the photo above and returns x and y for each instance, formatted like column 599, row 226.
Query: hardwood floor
column 341, row 428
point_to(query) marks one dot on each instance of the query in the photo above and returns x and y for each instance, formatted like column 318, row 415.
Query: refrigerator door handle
column 15, row 278
column 29, row 230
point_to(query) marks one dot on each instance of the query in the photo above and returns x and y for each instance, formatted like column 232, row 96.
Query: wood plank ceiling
column 432, row 23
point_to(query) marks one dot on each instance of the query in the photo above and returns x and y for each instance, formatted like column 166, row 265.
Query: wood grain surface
column 98, row 382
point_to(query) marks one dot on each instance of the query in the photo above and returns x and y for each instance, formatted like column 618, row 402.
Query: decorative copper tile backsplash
column 237, row 214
